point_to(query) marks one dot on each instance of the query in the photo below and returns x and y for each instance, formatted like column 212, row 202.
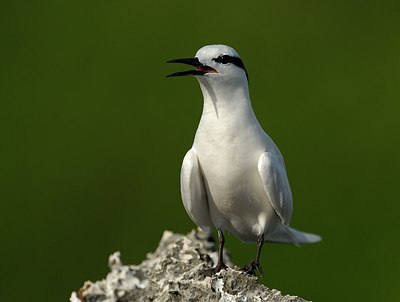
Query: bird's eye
column 223, row 59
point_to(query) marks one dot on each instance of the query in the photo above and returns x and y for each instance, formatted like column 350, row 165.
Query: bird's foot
column 212, row 271
column 252, row 268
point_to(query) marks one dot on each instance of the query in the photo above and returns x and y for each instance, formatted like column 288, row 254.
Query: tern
column 234, row 176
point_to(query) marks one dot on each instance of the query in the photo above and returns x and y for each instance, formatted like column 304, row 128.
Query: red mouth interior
column 206, row 69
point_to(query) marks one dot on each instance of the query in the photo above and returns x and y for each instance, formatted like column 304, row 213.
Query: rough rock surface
column 174, row 273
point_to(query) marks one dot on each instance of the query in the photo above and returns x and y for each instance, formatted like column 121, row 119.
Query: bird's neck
column 227, row 120
column 226, row 101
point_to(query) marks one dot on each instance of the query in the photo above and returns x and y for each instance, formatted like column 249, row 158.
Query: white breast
column 228, row 153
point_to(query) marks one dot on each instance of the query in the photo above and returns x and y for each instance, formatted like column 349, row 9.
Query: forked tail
column 286, row 234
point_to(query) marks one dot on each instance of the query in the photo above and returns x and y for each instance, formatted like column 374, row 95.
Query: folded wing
column 276, row 185
column 193, row 192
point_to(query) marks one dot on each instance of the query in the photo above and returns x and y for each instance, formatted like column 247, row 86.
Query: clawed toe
column 252, row 268
column 212, row 271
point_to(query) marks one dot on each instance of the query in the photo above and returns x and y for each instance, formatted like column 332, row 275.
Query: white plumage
column 234, row 176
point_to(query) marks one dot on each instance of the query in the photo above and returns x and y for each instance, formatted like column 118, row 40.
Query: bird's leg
column 220, row 265
column 255, row 264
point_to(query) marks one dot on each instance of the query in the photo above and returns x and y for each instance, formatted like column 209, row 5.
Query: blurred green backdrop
column 93, row 136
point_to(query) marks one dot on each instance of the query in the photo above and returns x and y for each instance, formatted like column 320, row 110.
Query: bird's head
column 215, row 63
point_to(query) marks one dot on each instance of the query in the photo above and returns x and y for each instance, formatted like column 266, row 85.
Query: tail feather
column 286, row 234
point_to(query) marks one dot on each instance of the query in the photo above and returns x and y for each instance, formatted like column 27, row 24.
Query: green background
column 93, row 136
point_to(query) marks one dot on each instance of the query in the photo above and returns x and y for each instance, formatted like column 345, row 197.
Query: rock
column 174, row 273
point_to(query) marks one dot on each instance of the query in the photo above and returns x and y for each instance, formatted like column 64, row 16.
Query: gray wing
column 276, row 185
column 193, row 191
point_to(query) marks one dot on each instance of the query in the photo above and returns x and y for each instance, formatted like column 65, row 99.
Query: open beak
column 199, row 71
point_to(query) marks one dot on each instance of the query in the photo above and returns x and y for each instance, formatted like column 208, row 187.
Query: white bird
column 234, row 176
